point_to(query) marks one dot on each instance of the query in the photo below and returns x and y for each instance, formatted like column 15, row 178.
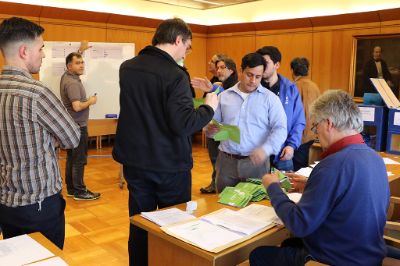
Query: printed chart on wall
column 101, row 77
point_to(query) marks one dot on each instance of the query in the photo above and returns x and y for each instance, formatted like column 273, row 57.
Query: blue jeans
column 75, row 167
column 49, row 220
column 283, row 165
column 148, row 191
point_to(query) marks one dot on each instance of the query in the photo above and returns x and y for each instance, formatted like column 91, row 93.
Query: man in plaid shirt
column 33, row 122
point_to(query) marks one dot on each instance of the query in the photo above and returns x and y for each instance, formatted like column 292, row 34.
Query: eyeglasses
column 314, row 126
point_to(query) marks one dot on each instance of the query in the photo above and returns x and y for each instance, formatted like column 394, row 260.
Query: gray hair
column 340, row 108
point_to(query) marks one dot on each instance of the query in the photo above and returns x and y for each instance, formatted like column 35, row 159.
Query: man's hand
column 287, row 153
column 202, row 83
column 92, row 99
column 212, row 129
column 258, row 156
column 298, row 182
column 84, row 46
column 211, row 100
column 268, row 179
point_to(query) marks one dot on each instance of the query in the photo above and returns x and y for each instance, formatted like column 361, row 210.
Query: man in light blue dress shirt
column 261, row 119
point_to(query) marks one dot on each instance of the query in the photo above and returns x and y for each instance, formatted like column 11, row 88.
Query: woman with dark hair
column 227, row 75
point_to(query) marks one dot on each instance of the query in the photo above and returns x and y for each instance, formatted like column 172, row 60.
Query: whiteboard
column 101, row 76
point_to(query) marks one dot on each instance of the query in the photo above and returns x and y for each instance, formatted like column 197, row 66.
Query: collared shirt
column 33, row 122
column 342, row 143
column 71, row 90
column 260, row 118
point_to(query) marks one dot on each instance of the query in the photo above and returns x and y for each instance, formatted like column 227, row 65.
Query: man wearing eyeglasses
column 341, row 215
column 155, row 126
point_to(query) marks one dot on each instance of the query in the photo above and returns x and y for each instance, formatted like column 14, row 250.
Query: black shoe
column 70, row 193
column 86, row 195
column 208, row 190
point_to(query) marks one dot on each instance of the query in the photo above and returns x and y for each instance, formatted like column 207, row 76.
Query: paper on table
column 55, row 261
column 306, row 171
column 203, row 234
column 235, row 221
column 389, row 161
column 262, row 212
column 167, row 217
column 389, row 173
column 314, row 164
column 21, row 250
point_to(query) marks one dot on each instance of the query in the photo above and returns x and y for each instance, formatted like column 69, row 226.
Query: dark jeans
column 148, row 191
column 300, row 158
column 212, row 147
column 49, row 220
column 291, row 253
column 76, row 161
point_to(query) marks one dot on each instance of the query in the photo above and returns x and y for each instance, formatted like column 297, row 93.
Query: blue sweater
column 342, row 212
column 291, row 101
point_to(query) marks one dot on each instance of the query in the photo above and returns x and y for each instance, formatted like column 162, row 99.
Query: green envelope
column 226, row 132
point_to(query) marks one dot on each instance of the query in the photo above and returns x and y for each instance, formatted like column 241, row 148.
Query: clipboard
column 386, row 93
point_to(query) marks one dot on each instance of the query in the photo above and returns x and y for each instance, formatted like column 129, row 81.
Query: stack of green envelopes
column 242, row 194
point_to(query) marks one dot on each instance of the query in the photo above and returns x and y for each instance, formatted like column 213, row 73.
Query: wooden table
column 53, row 248
column 166, row 250
column 101, row 127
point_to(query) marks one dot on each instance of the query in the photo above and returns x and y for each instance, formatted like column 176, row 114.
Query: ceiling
column 217, row 12
column 201, row 4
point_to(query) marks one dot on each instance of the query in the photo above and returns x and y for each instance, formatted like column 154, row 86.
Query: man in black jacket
column 157, row 119
column 376, row 67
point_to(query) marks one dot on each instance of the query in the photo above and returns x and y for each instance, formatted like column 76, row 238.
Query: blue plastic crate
column 393, row 142
column 377, row 140
column 394, row 113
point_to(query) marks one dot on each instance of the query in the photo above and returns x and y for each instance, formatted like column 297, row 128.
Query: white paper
column 368, row 114
column 203, row 234
column 396, row 119
column 314, row 164
column 389, row 173
column 236, row 222
column 389, row 161
column 295, row 197
column 58, row 68
column 21, row 250
column 55, row 261
column 168, row 216
column 261, row 212
column 306, row 171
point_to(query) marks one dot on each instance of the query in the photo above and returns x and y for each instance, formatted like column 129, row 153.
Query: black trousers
column 47, row 219
column 291, row 253
column 300, row 158
column 75, row 167
column 212, row 147
column 148, row 191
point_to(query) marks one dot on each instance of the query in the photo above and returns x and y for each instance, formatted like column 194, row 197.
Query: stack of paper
column 226, row 132
column 258, row 192
column 221, row 229
column 168, row 216
column 234, row 197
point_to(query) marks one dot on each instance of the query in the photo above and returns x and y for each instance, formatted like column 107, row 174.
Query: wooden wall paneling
column 332, row 53
column 290, row 44
column 196, row 61
column 141, row 37
column 388, row 27
column 233, row 45
column 64, row 30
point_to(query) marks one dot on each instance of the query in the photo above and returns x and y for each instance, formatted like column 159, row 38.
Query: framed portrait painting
column 375, row 56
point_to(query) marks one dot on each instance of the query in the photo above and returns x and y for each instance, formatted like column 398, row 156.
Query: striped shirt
column 33, row 122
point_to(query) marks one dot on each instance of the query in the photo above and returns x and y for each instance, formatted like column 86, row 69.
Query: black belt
column 235, row 156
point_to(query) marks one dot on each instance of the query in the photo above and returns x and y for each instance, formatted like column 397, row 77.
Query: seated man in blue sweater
column 341, row 215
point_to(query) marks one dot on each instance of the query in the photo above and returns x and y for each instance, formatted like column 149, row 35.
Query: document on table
column 22, row 250
column 306, row 171
column 235, row 221
column 202, row 234
column 389, row 161
column 55, row 261
column 168, row 216
column 262, row 212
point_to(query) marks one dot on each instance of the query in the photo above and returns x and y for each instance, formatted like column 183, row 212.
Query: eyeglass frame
column 314, row 126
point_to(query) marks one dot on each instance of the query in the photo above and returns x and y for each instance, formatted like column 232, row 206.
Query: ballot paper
column 168, row 216
column 306, row 171
column 20, row 250
column 389, row 161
